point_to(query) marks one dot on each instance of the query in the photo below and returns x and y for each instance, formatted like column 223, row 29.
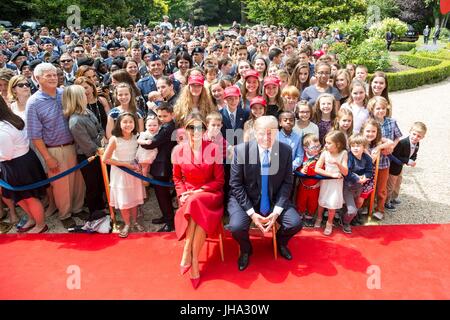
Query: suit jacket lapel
column 256, row 167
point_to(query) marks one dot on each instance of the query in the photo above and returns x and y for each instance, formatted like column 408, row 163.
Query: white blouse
column 14, row 143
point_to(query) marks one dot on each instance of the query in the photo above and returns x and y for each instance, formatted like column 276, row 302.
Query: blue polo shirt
column 45, row 119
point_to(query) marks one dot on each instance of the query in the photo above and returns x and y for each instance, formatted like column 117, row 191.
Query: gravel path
column 425, row 192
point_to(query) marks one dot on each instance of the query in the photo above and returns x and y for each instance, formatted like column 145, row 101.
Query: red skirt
column 206, row 208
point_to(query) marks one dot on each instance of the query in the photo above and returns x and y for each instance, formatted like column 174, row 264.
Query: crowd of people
column 228, row 117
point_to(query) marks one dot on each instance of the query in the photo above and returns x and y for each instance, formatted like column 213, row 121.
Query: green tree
column 15, row 10
column 204, row 10
column 303, row 13
column 382, row 9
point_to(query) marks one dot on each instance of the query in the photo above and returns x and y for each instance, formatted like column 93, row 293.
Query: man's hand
column 258, row 220
column 52, row 164
column 269, row 221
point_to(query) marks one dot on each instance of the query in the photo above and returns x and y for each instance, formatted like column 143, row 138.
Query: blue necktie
column 233, row 120
column 264, row 207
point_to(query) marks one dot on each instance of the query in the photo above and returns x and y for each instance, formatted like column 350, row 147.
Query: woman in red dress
column 199, row 178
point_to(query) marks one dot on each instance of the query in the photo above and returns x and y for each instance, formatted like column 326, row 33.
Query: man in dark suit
column 261, row 182
column 161, row 168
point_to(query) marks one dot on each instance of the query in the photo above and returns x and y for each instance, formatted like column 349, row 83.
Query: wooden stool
column 221, row 236
column 274, row 237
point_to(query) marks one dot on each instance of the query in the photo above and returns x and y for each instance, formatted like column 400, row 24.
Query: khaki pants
column 68, row 191
column 393, row 186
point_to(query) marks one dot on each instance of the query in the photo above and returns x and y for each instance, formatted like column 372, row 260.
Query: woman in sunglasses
column 18, row 92
column 199, row 179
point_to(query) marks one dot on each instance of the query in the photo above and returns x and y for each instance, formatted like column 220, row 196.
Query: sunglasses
column 197, row 128
column 21, row 85
column 79, row 51
column 66, row 61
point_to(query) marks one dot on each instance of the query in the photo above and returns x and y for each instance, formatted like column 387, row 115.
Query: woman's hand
column 184, row 196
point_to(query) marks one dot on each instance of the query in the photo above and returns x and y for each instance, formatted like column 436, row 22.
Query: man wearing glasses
column 69, row 69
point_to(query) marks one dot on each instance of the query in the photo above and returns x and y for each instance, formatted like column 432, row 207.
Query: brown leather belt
column 61, row 145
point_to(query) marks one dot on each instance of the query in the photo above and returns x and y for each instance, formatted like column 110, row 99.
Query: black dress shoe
column 166, row 228
column 243, row 261
column 285, row 253
column 159, row 220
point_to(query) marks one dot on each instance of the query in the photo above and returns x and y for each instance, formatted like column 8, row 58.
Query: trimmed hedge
column 417, row 61
column 442, row 54
column 403, row 46
column 429, row 71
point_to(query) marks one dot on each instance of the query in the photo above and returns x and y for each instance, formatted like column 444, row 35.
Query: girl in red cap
column 250, row 88
column 257, row 109
column 194, row 98
column 272, row 94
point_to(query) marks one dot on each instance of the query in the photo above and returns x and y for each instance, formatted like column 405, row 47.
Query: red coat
column 206, row 207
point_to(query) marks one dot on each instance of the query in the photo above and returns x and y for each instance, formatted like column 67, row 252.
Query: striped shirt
column 45, row 119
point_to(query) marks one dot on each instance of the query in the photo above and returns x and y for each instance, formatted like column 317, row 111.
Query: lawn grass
column 213, row 29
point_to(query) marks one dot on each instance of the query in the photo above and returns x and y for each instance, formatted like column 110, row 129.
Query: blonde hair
column 309, row 139
column 12, row 83
column 185, row 105
column 341, row 113
column 359, row 139
column 420, row 127
column 73, row 100
column 290, row 91
column 215, row 115
column 378, row 100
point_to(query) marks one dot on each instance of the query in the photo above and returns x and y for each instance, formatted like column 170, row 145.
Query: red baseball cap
column 272, row 80
column 232, row 91
column 196, row 80
column 251, row 73
column 258, row 100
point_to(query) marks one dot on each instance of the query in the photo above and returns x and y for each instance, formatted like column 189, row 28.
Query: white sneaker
column 378, row 215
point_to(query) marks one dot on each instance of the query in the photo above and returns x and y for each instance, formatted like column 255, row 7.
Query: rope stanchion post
column 370, row 221
column 100, row 152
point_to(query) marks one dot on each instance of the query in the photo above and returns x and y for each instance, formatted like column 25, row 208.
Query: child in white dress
column 126, row 191
column 331, row 190
column 143, row 156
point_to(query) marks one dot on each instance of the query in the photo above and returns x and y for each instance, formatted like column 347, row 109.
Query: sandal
column 318, row 223
column 124, row 232
column 328, row 229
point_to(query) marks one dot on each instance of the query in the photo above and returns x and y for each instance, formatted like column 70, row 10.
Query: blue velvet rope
column 39, row 184
column 317, row 177
column 149, row 180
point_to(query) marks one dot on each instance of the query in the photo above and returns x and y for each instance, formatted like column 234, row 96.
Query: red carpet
column 413, row 261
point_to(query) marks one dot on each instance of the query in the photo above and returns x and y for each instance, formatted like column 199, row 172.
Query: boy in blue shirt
column 360, row 169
